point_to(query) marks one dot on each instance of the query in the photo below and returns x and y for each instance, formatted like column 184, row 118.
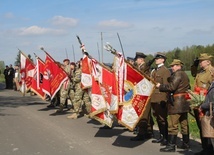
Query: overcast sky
column 148, row 26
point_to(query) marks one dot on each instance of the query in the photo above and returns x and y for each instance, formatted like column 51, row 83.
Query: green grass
column 193, row 128
column 194, row 131
column 2, row 78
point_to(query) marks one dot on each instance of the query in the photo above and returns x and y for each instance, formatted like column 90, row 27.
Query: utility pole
column 102, row 46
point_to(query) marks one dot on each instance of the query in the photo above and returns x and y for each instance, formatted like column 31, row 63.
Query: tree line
column 187, row 54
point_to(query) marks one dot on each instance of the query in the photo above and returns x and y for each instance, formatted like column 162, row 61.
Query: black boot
column 185, row 144
column 140, row 137
column 165, row 135
column 159, row 140
column 51, row 105
column 136, row 130
column 170, row 147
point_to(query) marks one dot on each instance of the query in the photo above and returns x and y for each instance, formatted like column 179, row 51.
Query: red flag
column 53, row 76
column 86, row 79
column 102, row 83
column 135, row 96
column 114, row 95
column 107, row 80
column 105, row 118
column 36, row 85
column 98, row 103
column 26, row 70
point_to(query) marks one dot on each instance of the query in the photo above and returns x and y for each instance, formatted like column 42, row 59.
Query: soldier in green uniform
column 146, row 123
column 202, row 82
column 64, row 90
column 159, row 99
column 203, row 78
column 79, row 94
column 71, row 91
column 178, row 106
column 86, row 107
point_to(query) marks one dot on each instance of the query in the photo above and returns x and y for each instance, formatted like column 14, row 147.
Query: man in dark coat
column 178, row 106
column 6, row 77
column 11, row 75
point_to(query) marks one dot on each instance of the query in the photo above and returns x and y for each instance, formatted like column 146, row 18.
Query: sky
column 147, row 26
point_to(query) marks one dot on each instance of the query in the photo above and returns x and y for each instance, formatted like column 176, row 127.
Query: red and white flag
column 98, row 103
column 118, row 67
column 37, row 79
column 105, row 118
column 114, row 105
column 86, row 79
column 136, row 94
column 107, row 80
column 26, row 71
column 53, row 76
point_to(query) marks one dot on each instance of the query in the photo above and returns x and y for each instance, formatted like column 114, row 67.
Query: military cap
column 130, row 58
column 176, row 62
column 73, row 63
column 139, row 55
column 205, row 56
column 160, row 55
column 66, row 60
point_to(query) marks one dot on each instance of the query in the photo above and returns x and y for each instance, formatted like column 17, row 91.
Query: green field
column 194, row 131
column 2, row 78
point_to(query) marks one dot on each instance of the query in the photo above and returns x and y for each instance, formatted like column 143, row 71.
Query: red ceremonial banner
column 53, row 76
column 135, row 96
column 86, row 79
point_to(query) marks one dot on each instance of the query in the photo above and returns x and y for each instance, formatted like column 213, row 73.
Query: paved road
column 27, row 127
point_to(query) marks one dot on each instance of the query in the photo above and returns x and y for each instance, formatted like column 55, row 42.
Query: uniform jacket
column 178, row 86
column 204, row 78
column 160, row 75
column 77, row 78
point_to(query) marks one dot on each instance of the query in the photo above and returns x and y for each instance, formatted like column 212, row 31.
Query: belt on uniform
column 180, row 94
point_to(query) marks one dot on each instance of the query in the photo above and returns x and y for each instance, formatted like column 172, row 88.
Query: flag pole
column 66, row 53
column 102, row 45
column 87, row 54
column 98, row 51
column 108, row 47
column 121, row 45
column 73, row 53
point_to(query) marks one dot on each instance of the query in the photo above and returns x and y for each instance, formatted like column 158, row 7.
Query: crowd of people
column 12, row 77
column 168, row 104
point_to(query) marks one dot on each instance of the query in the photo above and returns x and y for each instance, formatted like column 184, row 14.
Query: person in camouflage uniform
column 64, row 90
column 71, row 91
column 86, row 107
column 80, row 95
